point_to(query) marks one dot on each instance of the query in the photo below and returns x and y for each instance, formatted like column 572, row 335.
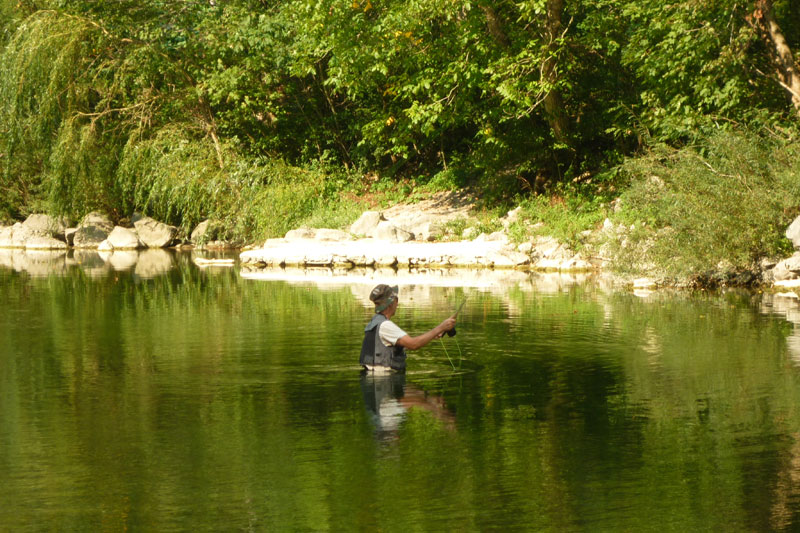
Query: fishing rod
column 452, row 332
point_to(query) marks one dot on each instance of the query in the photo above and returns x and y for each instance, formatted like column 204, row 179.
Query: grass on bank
column 720, row 206
column 717, row 207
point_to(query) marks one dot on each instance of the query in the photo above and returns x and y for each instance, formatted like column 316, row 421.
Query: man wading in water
column 384, row 346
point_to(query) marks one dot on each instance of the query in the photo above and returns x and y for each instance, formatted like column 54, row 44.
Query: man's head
column 383, row 296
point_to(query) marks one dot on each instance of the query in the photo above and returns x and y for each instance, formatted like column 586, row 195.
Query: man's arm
column 414, row 343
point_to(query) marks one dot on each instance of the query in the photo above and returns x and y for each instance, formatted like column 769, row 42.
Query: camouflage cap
column 383, row 296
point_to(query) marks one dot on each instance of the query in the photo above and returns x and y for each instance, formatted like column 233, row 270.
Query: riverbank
column 419, row 236
column 442, row 234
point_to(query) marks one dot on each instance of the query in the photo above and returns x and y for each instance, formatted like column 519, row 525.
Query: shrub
column 563, row 214
column 723, row 203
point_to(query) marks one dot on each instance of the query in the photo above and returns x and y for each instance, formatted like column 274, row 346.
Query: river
column 199, row 399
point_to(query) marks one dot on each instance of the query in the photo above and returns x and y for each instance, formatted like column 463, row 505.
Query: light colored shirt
column 389, row 332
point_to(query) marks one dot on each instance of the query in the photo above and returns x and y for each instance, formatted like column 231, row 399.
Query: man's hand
column 448, row 324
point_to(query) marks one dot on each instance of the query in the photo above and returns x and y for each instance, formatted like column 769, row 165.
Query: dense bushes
column 722, row 204
column 186, row 110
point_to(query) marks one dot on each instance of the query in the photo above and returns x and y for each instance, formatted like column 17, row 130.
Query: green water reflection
column 196, row 400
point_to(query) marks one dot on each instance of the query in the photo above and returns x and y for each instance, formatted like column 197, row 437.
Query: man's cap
column 383, row 296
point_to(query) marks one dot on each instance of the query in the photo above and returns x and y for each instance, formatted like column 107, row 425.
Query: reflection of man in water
column 388, row 398
column 384, row 346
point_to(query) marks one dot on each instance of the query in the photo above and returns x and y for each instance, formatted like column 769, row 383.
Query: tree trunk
column 553, row 102
column 788, row 75
column 494, row 25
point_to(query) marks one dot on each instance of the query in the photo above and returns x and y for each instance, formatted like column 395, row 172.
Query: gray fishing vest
column 375, row 353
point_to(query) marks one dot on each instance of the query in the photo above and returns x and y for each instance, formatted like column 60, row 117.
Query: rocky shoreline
column 96, row 231
column 403, row 238
column 409, row 237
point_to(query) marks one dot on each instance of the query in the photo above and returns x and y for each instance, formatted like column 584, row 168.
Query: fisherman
column 384, row 346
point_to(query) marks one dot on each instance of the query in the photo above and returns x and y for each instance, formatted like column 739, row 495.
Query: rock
column 318, row 259
column 497, row 236
column 789, row 268
column 389, row 232
column 89, row 236
column 793, row 233
column 525, row 248
column 576, row 264
column 21, row 234
column 386, row 261
column 469, row 233
column 300, row 233
column 105, row 246
column 644, row 283
column 366, row 223
column 507, row 258
column 41, row 224
column 767, row 263
column 93, row 229
column 428, row 231
column 124, row 239
column 219, row 245
column 97, row 219
column 152, row 233
column 548, row 264
column 204, row 262
column 360, row 260
column 512, row 217
column 6, row 237
column 206, row 231
column 336, row 235
column 44, row 242
column 551, row 248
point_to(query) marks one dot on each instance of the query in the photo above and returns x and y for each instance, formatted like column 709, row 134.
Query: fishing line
column 447, row 354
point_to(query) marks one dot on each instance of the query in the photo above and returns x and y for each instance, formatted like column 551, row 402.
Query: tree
column 786, row 72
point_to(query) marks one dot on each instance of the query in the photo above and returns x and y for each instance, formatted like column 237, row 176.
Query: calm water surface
column 195, row 400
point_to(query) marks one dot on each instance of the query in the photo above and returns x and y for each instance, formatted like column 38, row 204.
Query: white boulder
column 44, row 242
column 788, row 268
column 793, row 233
column 300, row 233
column 154, row 234
column 366, row 223
column 6, row 237
column 93, row 229
column 41, row 224
column 21, row 235
column 387, row 231
column 324, row 234
column 123, row 239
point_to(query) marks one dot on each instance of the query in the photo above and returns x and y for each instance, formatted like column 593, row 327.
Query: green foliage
column 563, row 214
column 693, row 60
column 178, row 180
column 725, row 202
column 169, row 106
